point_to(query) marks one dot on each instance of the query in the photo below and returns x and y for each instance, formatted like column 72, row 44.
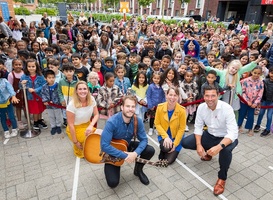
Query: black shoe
column 65, row 123
column 161, row 155
column 264, row 133
column 138, row 172
column 257, row 128
column 58, row 130
column 53, row 131
column 36, row 126
column 42, row 124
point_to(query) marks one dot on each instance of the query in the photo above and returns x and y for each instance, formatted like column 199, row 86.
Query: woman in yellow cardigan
column 170, row 122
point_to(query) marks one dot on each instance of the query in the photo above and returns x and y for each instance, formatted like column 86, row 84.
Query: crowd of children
column 140, row 57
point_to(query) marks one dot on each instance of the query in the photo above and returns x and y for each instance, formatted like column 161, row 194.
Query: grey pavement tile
column 141, row 190
column 175, row 194
column 130, row 197
column 255, row 190
column 65, row 195
column 26, row 190
column 50, row 191
column 155, row 194
column 123, row 190
column 207, row 194
column 266, row 197
column 163, row 184
column 244, row 194
column 240, row 179
column 191, row 193
column 111, row 197
column 105, row 193
column 265, row 184
column 82, row 193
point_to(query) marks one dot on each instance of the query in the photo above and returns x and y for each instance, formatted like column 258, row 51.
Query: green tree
column 145, row 2
column 20, row 1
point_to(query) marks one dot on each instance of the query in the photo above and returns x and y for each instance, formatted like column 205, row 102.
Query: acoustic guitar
column 93, row 154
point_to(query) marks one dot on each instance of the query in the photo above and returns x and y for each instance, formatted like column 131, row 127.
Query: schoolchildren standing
column 66, row 87
column 122, row 82
column 140, row 88
column 267, row 100
column 109, row 96
column 49, row 94
column 155, row 95
column 252, row 91
column 14, row 79
column 34, row 81
column 6, row 108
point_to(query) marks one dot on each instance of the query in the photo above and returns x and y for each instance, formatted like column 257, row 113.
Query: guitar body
column 92, row 150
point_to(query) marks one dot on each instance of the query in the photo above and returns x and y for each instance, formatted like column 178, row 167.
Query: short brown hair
column 121, row 55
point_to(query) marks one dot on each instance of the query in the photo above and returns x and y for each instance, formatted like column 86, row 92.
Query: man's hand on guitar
column 131, row 157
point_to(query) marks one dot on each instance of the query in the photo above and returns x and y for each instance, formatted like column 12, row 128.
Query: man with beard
column 121, row 126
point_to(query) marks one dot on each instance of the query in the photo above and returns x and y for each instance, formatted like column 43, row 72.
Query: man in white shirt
column 221, row 136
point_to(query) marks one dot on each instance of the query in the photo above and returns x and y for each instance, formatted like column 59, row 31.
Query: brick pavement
column 44, row 167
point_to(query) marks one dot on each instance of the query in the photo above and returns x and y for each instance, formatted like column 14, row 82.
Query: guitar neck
column 142, row 160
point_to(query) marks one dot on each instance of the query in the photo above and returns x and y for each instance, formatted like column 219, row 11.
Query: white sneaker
column 187, row 128
column 150, row 131
column 155, row 131
column 14, row 133
column 7, row 134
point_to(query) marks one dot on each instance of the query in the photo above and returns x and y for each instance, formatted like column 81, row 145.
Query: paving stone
column 175, row 194
column 50, row 191
column 26, row 190
column 255, row 190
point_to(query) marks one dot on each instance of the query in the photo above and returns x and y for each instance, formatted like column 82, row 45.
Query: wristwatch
column 222, row 145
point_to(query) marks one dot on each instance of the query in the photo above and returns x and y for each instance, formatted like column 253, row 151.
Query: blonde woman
column 79, row 112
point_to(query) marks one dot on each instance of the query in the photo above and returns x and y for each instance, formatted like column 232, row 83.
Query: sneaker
column 190, row 118
column 65, row 123
column 257, row 128
column 42, row 124
column 36, row 126
column 14, row 133
column 58, row 130
column 150, row 131
column 53, row 131
column 155, row 131
column 187, row 128
column 7, row 134
column 264, row 133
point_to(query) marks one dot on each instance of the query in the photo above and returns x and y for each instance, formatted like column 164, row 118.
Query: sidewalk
column 45, row 168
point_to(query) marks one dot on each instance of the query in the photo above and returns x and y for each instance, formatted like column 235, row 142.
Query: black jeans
column 208, row 141
column 112, row 172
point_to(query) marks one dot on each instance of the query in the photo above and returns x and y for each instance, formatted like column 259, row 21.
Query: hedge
column 49, row 11
column 22, row 11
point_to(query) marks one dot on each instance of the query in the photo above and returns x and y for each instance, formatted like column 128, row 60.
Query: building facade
column 253, row 11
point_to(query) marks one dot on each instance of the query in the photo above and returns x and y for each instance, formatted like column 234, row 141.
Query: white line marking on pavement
column 191, row 172
column 76, row 179
column 6, row 141
column 270, row 167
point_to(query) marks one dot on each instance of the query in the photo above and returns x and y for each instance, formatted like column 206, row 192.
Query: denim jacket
column 38, row 84
column 123, row 85
column 6, row 90
column 50, row 94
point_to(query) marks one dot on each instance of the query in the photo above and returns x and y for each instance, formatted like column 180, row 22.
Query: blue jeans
column 208, row 141
column 3, row 116
column 244, row 111
column 269, row 114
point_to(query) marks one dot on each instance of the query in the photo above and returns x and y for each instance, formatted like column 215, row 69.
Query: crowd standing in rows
column 63, row 64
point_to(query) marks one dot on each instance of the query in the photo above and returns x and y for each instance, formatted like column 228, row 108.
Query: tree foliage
column 185, row 1
column 145, row 2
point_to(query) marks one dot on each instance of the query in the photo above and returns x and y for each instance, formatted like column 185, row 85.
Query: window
column 198, row 3
column 183, row 5
column 136, row 11
column 177, row 13
column 154, row 11
column 165, row 12
column 170, row 3
column 191, row 12
column 158, row 4
column 144, row 11
column 30, row 1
